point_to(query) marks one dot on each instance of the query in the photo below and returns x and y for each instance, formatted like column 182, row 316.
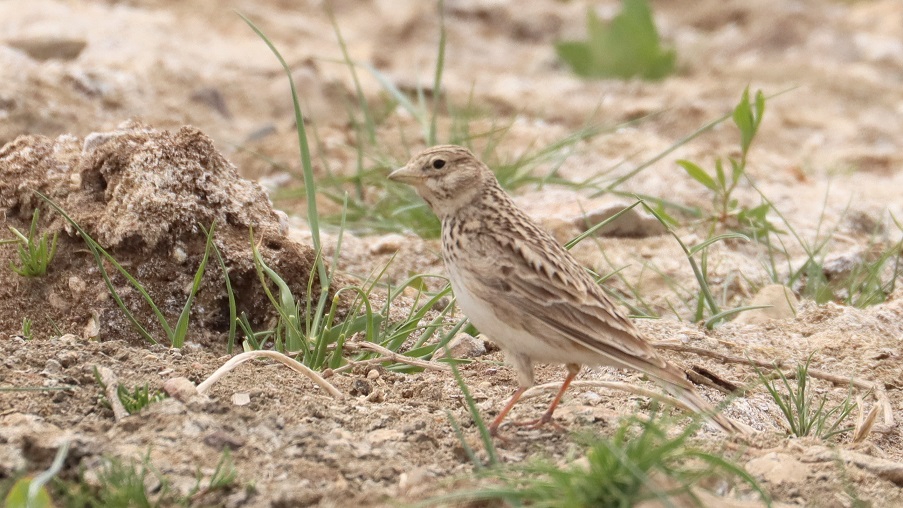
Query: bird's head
column 447, row 177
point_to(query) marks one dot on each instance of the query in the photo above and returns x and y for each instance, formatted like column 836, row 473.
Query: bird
column 518, row 286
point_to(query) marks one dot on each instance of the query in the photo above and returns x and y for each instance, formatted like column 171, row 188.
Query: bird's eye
column 438, row 164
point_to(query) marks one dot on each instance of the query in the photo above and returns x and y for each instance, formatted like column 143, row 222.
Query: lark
column 523, row 290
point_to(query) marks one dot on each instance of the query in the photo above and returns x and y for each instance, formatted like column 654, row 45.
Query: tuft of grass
column 868, row 281
column 137, row 398
column 123, row 483
column 134, row 399
column 627, row 47
column 315, row 328
column 35, row 252
column 223, row 478
column 26, row 328
column 119, row 483
column 640, row 462
column 804, row 411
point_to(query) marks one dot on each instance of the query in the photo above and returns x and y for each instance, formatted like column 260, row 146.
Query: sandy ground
column 828, row 156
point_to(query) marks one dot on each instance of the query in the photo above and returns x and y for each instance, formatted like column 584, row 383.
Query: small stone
column 68, row 339
column 409, row 480
column 241, row 399
column 373, row 374
column 92, row 328
column 361, row 387
column 212, row 98
column 77, row 285
column 632, row 224
column 57, row 302
column 387, row 244
column 282, row 217
column 861, row 222
column 67, row 358
column 220, row 439
column 778, row 302
column 463, row 345
column 180, row 388
column 179, row 254
column 382, row 435
column 52, row 367
column 49, row 48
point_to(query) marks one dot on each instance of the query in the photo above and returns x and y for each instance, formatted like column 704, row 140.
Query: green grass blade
column 718, row 238
column 579, row 238
column 712, row 321
column 99, row 255
column 491, row 454
column 181, row 329
column 309, row 183
column 233, row 312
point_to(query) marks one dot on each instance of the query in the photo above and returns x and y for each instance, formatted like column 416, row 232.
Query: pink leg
column 494, row 426
column 547, row 416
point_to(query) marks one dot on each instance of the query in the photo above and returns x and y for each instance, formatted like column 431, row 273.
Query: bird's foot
column 494, row 432
column 539, row 422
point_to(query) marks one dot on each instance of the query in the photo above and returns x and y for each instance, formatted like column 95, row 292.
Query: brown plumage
column 522, row 289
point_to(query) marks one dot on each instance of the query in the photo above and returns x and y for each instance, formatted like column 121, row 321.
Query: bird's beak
column 406, row 175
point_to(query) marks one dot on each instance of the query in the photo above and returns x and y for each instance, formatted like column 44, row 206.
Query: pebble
column 632, row 224
column 77, row 285
column 241, row 399
column 779, row 303
column 49, row 48
column 180, row 388
column 463, row 345
column 387, row 244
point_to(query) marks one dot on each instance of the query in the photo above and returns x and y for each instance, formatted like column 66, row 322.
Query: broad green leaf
column 719, row 172
column 18, row 496
column 698, row 174
column 626, row 47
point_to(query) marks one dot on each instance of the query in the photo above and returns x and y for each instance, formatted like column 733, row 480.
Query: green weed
column 804, row 411
column 747, row 117
column 640, row 462
column 627, row 47
column 26, row 328
column 223, row 477
column 35, row 252
column 133, row 400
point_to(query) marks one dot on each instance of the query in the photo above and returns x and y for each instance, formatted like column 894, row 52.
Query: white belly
column 510, row 334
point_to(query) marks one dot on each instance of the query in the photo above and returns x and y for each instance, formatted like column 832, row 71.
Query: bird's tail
column 682, row 390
